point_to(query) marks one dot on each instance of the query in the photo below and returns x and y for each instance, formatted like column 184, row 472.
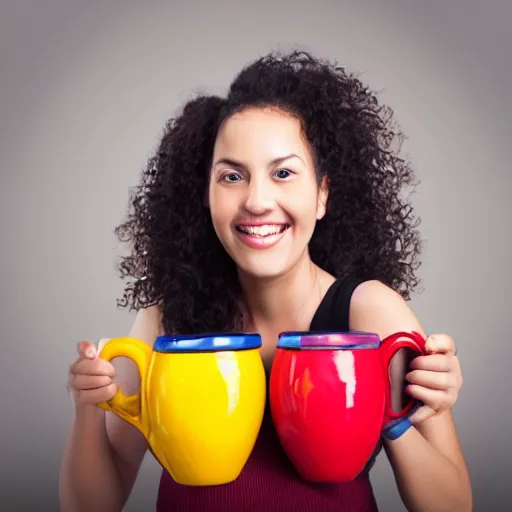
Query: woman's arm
column 103, row 453
column 427, row 460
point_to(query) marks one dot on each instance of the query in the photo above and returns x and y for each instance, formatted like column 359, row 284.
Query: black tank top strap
column 333, row 312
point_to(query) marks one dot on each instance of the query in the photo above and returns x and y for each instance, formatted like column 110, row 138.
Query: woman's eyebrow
column 234, row 163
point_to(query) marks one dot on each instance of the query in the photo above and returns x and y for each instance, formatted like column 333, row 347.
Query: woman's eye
column 232, row 177
column 283, row 174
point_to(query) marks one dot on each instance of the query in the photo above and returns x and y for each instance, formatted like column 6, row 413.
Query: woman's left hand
column 435, row 378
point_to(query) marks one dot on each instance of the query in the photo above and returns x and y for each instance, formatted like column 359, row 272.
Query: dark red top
column 268, row 482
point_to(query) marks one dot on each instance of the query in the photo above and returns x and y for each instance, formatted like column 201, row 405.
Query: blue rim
column 207, row 342
column 329, row 340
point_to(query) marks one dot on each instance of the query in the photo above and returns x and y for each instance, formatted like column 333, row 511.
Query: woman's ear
column 323, row 195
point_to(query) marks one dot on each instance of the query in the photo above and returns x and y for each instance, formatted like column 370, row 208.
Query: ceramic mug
column 201, row 402
column 330, row 399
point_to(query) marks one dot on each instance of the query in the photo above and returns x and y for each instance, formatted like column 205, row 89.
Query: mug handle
column 389, row 347
column 129, row 408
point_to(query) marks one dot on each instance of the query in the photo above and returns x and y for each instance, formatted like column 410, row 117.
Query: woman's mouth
column 263, row 230
column 261, row 236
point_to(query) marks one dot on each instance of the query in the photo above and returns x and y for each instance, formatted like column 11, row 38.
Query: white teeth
column 266, row 230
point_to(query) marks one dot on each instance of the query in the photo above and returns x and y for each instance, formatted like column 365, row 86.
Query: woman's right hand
column 90, row 378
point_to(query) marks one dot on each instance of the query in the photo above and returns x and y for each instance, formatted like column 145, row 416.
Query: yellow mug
column 201, row 402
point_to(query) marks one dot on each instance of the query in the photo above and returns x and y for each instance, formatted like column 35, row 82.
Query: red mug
column 330, row 398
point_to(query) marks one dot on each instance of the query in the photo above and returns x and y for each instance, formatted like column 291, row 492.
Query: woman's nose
column 260, row 197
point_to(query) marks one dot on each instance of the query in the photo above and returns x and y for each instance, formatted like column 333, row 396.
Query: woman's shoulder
column 376, row 307
column 373, row 293
column 148, row 324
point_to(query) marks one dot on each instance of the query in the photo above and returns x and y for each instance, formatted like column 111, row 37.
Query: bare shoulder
column 147, row 325
column 378, row 308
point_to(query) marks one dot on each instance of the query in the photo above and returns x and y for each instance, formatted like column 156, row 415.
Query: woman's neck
column 285, row 302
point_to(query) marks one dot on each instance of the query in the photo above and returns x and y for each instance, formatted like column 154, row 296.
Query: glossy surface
column 329, row 405
column 200, row 411
column 207, row 343
column 325, row 339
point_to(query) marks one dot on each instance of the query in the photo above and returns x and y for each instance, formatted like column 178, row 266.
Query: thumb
column 87, row 349
column 421, row 414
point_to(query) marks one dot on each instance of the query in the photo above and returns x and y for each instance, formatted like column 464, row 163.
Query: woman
column 277, row 208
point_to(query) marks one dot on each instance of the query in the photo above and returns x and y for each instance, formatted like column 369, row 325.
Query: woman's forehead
column 261, row 134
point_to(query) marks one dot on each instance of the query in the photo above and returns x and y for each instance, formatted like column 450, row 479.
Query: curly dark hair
column 369, row 230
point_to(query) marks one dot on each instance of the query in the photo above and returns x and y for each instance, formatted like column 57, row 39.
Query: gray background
column 85, row 90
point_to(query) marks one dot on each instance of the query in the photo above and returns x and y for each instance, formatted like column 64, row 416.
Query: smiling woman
column 277, row 208
column 346, row 162
column 264, row 191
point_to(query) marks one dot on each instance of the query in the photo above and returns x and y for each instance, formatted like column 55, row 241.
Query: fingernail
column 90, row 352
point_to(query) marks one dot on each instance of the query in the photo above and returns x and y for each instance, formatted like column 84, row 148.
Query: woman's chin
column 263, row 269
column 265, row 266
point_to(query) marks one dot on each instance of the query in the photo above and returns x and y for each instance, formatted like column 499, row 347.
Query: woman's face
column 263, row 193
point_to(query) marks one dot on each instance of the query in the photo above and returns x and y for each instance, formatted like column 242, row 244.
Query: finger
column 87, row 349
column 85, row 382
column 433, row 380
column 440, row 344
column 96, row 396
column 74, row 363
column 434, row 363
column 421, row 414
column 96, row 367
column 433, row 398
